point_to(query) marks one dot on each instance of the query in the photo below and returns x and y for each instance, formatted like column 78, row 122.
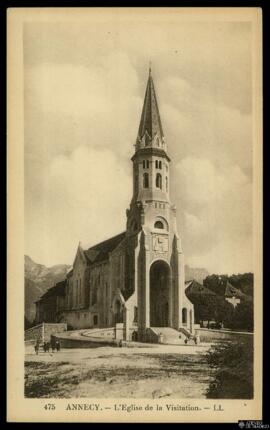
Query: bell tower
column 151, row 170
column 153, row 243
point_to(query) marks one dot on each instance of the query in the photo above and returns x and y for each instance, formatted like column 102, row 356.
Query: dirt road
column 178, row 372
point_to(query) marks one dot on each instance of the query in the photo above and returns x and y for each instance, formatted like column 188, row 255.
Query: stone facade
column 137, row 277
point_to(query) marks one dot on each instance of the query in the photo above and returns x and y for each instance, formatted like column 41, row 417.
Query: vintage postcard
column 134, row 215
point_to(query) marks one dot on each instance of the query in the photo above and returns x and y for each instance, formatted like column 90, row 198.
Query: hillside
column 38, row 279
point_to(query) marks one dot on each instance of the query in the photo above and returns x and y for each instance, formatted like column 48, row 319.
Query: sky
column 84, row 86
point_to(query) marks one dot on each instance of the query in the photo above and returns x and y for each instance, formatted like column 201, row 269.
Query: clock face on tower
column 160, row 243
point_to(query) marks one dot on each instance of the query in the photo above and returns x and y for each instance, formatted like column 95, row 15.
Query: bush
column 232, row 365
column 243, row 317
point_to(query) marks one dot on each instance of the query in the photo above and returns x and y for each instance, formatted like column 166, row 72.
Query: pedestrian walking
column 37, row 346
column 53, row 346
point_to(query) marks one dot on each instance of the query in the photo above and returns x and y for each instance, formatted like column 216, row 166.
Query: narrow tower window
column 145, row 180
column 160, row 165
column 156, row 164
column 147, row 164
column 159, row 181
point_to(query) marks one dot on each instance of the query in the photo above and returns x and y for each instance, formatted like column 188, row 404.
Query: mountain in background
column 39, row 278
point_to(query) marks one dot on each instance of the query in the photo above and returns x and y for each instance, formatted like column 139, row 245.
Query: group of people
column 196, row 339
column 53, row 345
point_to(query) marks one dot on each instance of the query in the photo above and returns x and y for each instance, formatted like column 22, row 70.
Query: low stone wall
column 104, row 333
column 209, row 335
column 69, row 342
column 117, row 332
column 152, row 335
column 44, row 331
column 51, row 329
column 34, row 333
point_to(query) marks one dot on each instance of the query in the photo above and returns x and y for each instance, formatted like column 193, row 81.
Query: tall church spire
column 150, row 130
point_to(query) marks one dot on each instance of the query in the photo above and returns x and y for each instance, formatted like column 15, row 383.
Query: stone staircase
column 170, row 335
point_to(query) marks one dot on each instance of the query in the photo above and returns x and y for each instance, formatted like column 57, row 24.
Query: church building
column 136, row 279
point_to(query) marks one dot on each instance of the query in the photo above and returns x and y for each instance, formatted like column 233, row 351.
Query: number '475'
column 49, row 407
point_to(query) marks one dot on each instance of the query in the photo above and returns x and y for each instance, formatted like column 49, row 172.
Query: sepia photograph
column 140, row 224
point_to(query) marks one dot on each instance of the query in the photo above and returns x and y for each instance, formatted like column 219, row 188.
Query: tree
column 243, row 316
column 215, row 282
column 232, row 367
column 224, row 311
column 244, row 282
column 209, row 307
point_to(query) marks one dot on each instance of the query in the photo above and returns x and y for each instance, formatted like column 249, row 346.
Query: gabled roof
column 101, row 251
column 231, row 291
column 70, row 273
column 193, row 287
column 227, row 290
column 57, row 290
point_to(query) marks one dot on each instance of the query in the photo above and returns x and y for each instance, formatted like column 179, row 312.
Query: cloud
column 217, row 219
column 74, row 105
column 83, row 198
column 84, row 89
column 194, row 124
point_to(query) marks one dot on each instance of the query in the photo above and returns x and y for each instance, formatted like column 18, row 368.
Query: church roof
column 57, row 290
column 150, row 119
column 101, row 251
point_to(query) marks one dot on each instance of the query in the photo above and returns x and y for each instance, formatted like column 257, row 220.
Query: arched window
column 166, row 180
column 160, row 165
column 145, row 180
column 159, row 181
column 156, row 164
column 158, row 224
column 184, row 316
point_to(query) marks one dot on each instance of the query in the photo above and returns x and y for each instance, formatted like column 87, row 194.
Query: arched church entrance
column 159, row 294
